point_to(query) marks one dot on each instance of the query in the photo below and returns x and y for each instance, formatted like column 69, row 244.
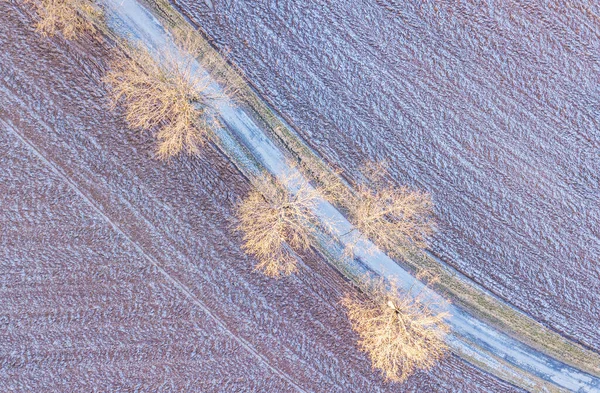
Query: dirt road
column 490, row 106
column 118, row 272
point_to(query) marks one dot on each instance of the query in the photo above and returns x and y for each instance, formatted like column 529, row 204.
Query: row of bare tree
column 400, row 332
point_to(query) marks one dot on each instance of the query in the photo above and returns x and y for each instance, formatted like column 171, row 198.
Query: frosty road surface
column 127, row 16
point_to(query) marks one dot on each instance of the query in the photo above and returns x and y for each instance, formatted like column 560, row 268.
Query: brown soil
column 492, row 107
column 122, row 273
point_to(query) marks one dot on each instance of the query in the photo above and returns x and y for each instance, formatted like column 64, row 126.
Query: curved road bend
column 129, row 18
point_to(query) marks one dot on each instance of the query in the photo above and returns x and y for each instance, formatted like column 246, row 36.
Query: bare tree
column 391, row 217
column 400, row 333
column 170, row 94
column 275, row 221
column 71, row 17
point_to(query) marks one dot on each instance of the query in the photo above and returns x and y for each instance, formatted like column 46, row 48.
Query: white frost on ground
column 129, row 19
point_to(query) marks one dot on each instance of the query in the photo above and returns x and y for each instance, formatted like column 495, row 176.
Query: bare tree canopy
column 275, row 221
column 70, row 17
column 171, row 95
column 400, row 333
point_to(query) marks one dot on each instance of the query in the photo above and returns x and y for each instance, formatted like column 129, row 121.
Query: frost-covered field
column 118, row 272
column 492, row 107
